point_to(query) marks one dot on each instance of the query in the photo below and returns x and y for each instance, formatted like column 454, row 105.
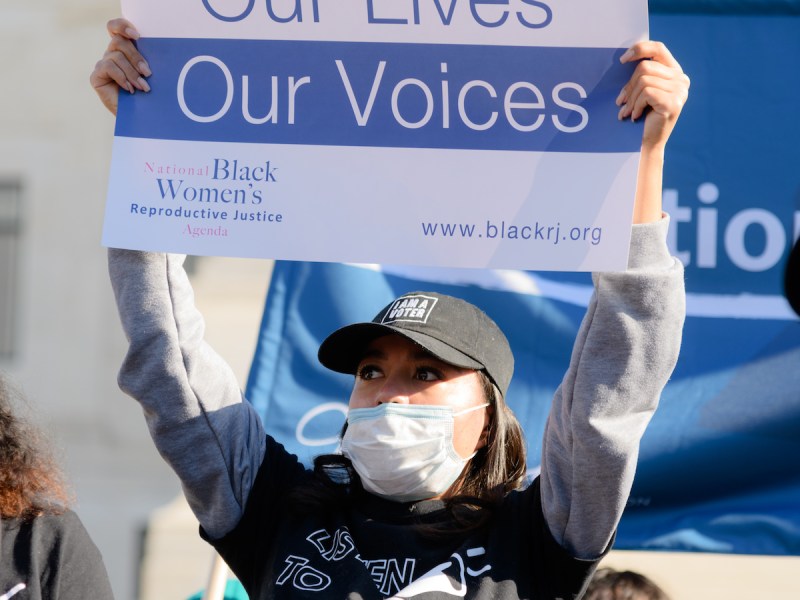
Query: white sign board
column 465, row 133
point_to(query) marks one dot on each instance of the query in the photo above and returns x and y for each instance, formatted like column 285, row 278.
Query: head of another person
column 31, row 483
column 427, row 367
column 610, row 584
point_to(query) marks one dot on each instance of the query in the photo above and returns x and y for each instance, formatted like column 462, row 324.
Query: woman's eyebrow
column 373, row 353
column 418, row 355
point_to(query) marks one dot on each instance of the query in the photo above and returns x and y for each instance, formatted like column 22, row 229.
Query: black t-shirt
column 374, row 552
column 51, row 557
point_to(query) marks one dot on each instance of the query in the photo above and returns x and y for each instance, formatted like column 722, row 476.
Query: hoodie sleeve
column 624, row 353
column 191, row 399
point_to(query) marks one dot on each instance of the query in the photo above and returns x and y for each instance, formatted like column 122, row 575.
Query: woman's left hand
column 658, row 83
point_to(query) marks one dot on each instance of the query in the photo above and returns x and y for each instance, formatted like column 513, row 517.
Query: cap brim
column 343, row 350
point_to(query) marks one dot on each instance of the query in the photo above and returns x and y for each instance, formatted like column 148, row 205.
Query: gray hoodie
column 624, row 353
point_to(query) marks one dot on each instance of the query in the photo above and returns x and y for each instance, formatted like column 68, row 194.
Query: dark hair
column 497, row 469
column 609, row 584
column 499, row 466
column 30, row 482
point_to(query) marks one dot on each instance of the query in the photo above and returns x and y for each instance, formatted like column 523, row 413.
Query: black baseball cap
column 451, row 329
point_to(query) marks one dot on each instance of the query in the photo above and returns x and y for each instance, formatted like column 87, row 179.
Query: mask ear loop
column 470, row 409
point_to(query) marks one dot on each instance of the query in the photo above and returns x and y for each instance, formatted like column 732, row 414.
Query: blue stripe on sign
column 385, row 95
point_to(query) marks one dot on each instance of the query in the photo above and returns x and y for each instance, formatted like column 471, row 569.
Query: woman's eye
column 368, row 372
column 428, row 374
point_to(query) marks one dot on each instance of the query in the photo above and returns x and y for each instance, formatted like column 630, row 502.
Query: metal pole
column 217, row 580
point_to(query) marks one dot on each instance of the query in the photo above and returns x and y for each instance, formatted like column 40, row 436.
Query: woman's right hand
column 122, row 66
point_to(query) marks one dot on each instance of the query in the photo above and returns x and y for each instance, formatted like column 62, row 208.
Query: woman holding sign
column 426, row 499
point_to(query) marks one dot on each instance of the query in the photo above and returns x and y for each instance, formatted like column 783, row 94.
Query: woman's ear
column 488, row 417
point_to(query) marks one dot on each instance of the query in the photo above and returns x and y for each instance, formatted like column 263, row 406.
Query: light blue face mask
column 404, row 452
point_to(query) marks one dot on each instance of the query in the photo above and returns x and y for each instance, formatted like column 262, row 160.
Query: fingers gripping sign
column 122, row 65
column 658, row 83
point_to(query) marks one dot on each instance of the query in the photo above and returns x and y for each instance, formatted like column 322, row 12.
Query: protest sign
column 468, row 133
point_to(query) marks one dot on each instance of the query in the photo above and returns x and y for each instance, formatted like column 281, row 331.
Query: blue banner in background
column 719, row 468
